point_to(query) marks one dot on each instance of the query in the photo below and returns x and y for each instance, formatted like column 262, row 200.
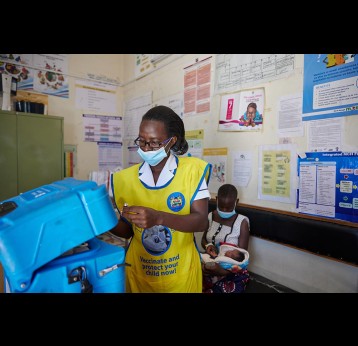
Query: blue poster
column 330, row 86
column 328, row 185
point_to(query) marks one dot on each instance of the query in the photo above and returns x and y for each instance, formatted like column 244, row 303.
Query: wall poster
column 328, row 185
column 330, row 86
column 242, row 111
column 277, row 173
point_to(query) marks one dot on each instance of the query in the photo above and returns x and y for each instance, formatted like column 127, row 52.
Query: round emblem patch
column 176, row 201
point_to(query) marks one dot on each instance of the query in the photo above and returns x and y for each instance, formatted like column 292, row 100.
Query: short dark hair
column 173, row 124
column 240, row 256
column 253, row 105
column 227, row 190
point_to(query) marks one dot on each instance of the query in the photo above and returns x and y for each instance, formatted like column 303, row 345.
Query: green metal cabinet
column 31, row 152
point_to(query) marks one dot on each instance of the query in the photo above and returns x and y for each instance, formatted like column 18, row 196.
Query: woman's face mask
column 153, row 157
column 224, row 214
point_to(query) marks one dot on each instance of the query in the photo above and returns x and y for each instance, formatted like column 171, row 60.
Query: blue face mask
column 153, row 157
column 225, row 215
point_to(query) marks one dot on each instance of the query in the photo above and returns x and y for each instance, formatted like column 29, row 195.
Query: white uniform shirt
column 146, row 176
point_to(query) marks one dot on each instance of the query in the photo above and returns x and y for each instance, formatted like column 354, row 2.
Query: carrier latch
column 80, row 275
column 7, row 207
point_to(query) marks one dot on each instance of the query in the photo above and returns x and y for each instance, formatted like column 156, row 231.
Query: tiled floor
column 259, row 284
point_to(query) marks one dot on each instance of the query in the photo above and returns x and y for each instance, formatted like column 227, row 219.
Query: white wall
column 293, row 268
column 109, row 65
column 301, row 270
column 296, row 269
column 169, row 81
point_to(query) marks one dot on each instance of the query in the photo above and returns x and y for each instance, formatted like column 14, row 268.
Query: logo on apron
column 157, row 239
column 176, row 201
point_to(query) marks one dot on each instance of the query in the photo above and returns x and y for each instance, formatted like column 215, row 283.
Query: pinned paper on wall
column 143, row 64
column 277, row 173
column 102, row 128
column 328, row 185
column 197, row 87
column 217, row 157
column 242, row 111
column 195, row 139
column 110, row 156
column 175, row 102
column 242, row 168
column 238, row 71
column 329, row 86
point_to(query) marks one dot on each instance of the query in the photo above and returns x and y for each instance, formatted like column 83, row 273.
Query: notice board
column 328, row 185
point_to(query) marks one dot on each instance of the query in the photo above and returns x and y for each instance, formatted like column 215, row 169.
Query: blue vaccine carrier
column 48, row 240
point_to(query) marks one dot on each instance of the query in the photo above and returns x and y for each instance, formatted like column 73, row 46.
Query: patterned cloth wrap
column 229, row 263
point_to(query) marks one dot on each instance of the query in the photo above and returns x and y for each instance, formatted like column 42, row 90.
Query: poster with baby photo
column 242, row 111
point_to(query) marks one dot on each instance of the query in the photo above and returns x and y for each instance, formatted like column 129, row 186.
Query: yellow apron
column 162, row 259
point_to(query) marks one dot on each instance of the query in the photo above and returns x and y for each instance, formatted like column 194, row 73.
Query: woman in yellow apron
column 162, row 201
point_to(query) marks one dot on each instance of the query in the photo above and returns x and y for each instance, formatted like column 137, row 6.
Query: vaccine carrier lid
column 39, row 225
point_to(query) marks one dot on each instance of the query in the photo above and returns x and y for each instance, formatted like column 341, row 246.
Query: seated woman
column 230, row 257
column 225, row 226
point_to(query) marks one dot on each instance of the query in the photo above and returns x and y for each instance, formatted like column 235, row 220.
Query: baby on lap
column 229, row 257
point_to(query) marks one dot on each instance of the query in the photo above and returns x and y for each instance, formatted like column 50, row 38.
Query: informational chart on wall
column 110, row 156
column 197, row 85
column 236, row 71
column 328, row 185
column 95, row 96
column 330, row 86
column 102, row 128
column 277, row 169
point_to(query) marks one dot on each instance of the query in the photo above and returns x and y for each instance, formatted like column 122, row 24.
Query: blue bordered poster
column 328, row 185
column 330, row 86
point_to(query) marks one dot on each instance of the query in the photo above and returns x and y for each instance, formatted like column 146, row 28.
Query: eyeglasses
column 152, row 144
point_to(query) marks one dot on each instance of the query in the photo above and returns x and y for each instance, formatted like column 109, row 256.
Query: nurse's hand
column 141, row 216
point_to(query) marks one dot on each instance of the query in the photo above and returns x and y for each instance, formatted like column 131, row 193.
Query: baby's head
column 235, row 254
column 212, row 251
